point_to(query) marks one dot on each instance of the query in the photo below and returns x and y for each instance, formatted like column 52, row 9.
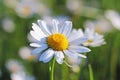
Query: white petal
column 78, row 54
column 35, row 45
column 59, row 56
column 44, row 27
column 55, row 26
column 35, row 35
column 80, row 31
column 42, row 41
column 81, row 55
column 67, row 27
column 59, row 60
column 97, row 43
column 89, row 33
column 78, row 41
column 68, row 53
column 37, row 29
column 46, row 56
column 79, row 49
column 98, row 37
column 40, row 49
column 75, row 35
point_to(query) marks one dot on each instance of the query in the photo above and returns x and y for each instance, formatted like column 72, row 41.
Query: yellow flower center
column 26, row 10
column 89, row 41
column 57, row 42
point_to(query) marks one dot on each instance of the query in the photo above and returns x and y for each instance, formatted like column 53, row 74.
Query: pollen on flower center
column 57, row 42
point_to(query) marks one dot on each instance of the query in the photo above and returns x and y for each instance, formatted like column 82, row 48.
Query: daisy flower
column 25, row 53
column 29, row 8
column 56, row 41
column 8, row 25
column 14, row 66
column 100, row 25
column 94, row 39
column 76, row 7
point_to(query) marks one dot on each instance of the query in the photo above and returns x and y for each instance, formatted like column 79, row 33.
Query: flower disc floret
column 57, row 42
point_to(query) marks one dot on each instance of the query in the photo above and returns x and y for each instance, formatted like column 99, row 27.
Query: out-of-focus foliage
column 17, row 16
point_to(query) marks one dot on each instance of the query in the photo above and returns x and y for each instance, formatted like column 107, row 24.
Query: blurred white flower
column 76, row 68
column 8, row 25
column 100, row 25
column 114, row 17
column 10, row 3
column 25, row 53
column 17, row 76
column 17, row 71
column 75, row 6
column 27, row 8
column 75, row 60
column 21, row 76
column 43, row 10
column 14, row 66
column 56, row 41
column 94, row 39
column 74, row 63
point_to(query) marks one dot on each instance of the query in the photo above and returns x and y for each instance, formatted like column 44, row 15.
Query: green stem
column 52, row 66
column 90, row 72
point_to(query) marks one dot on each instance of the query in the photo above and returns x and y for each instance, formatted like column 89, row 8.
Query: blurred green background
column 16, row 18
